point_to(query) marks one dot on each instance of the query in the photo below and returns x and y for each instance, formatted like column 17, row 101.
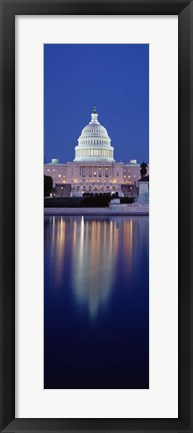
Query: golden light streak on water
column 60, row 247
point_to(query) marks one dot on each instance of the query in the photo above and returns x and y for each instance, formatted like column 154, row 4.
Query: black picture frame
column 8, row 11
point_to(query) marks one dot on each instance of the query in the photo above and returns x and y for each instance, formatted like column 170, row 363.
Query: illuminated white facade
column 94, row 168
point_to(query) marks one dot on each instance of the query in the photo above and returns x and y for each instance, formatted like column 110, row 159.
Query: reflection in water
column 95, row 247
column 96, row 302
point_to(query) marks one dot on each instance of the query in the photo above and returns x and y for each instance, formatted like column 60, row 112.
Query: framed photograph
column 96, row 216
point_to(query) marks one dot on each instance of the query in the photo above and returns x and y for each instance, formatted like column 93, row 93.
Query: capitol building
column 94, row 169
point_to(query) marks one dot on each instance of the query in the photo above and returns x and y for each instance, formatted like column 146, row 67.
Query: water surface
column 96, row 302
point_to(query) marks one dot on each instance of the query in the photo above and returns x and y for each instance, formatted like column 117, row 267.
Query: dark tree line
column 48, row 185
column 143, row 172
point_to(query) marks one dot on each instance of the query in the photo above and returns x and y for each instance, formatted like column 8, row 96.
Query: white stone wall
column 131, row 173
column 93, row 176
column 57, row 172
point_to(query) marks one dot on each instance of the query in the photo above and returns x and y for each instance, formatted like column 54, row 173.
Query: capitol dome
column 94, row 144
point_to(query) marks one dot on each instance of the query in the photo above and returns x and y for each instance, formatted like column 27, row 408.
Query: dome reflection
column 94, row 258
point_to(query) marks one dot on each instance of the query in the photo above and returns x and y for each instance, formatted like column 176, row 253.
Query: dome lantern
column 94, row 109
column 94, row 116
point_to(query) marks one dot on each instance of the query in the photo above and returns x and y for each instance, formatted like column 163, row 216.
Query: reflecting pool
column 96, row 302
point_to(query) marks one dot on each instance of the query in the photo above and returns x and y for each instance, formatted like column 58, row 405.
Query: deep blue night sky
column 115, row 78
